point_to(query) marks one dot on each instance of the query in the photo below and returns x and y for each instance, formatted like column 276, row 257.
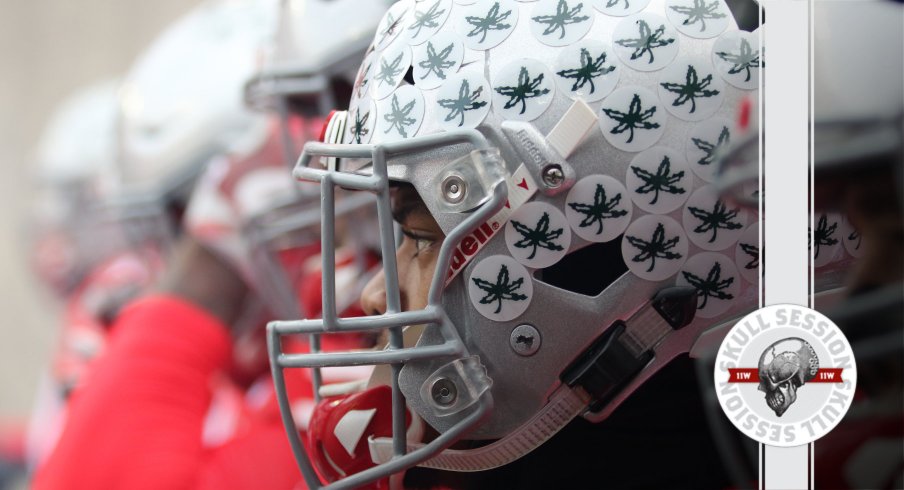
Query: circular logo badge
column 390, row 70
column 699, row 19
column 716, row 280
column 428, row 19
column 711, row 223
column 631, row 119
column 538, row 235
column 646, row 42
column 598, row 208
column 500, row 288
column 437, row 59
column 691, row 90
column 561, row 22
column 737, row 58
column 463, row 100
column 708, row 140
column 400, row 116
column 825, row 240
column 487, row 23
column 655, row 247
column 361, row 121
column 659, row 180
column 587, row 70
column 523, row 90
column 785, row 375
column 392, row 25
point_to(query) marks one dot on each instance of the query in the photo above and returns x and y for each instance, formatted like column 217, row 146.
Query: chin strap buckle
column 606, row 367
column 626, row 347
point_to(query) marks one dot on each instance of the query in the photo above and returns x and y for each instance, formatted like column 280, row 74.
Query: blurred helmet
column 311, row 63
column 565, row 149
column 857, row 119
column 75, row 232
column 858, row 167
column 248, row 207
column 75, row 154
column 239, row 209
column 93, row 257
column 182, row 102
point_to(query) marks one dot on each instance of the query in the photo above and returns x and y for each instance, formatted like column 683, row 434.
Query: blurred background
column 48, row 49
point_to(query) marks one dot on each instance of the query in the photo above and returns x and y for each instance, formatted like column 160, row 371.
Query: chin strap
column 565, row 404
column 597, row 375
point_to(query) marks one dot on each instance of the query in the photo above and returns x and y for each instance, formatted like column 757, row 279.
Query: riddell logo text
column 520, row 189
column 469, row 247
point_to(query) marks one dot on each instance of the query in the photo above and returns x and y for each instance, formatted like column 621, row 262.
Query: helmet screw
column 525, row 340
column 444, row 392
column 454, row 188
column 553, row 176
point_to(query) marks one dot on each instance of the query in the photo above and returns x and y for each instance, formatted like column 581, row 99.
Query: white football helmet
column 308, row 66
column 311, row 65
column 182, row 101
column 566, row 149
column 72, row 228
column 857, row 118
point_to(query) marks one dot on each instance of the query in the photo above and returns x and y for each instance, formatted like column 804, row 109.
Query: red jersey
column 137, row 421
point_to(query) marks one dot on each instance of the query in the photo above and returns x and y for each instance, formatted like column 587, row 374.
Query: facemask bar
column 97, row 232
column 267, row 234
column 271, row 91
column 124, row 225
column 394, row 319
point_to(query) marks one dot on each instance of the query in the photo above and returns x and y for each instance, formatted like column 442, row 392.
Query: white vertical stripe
column 786, row 201
column 786, row 95
column 811, row 208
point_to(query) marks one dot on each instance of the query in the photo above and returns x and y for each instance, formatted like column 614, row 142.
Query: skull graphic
column 784, row 367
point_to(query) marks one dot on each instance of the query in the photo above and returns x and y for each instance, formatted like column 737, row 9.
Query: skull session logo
column 784, row 367
column 785, row 375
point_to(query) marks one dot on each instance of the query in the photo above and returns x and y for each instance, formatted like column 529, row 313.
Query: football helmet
column 307, row 70
column 93, row 256
column 94, row 260
column 181, row 101
column 240, row 208
column 566, row 150
column 857, row 120
column 75, row 157
column 311, row 63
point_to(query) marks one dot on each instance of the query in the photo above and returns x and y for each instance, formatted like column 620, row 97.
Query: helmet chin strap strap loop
column 597, row 375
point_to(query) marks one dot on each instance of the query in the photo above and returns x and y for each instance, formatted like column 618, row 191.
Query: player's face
column 416, row 255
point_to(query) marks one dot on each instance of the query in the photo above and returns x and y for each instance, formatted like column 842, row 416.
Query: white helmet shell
column 182, row 100
column 858, row 73
column 79, row 142
column 316, row 40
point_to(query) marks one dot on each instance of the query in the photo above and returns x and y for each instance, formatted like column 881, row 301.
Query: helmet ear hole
column 342, row 93
column 588, row 271
column 409, row 75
